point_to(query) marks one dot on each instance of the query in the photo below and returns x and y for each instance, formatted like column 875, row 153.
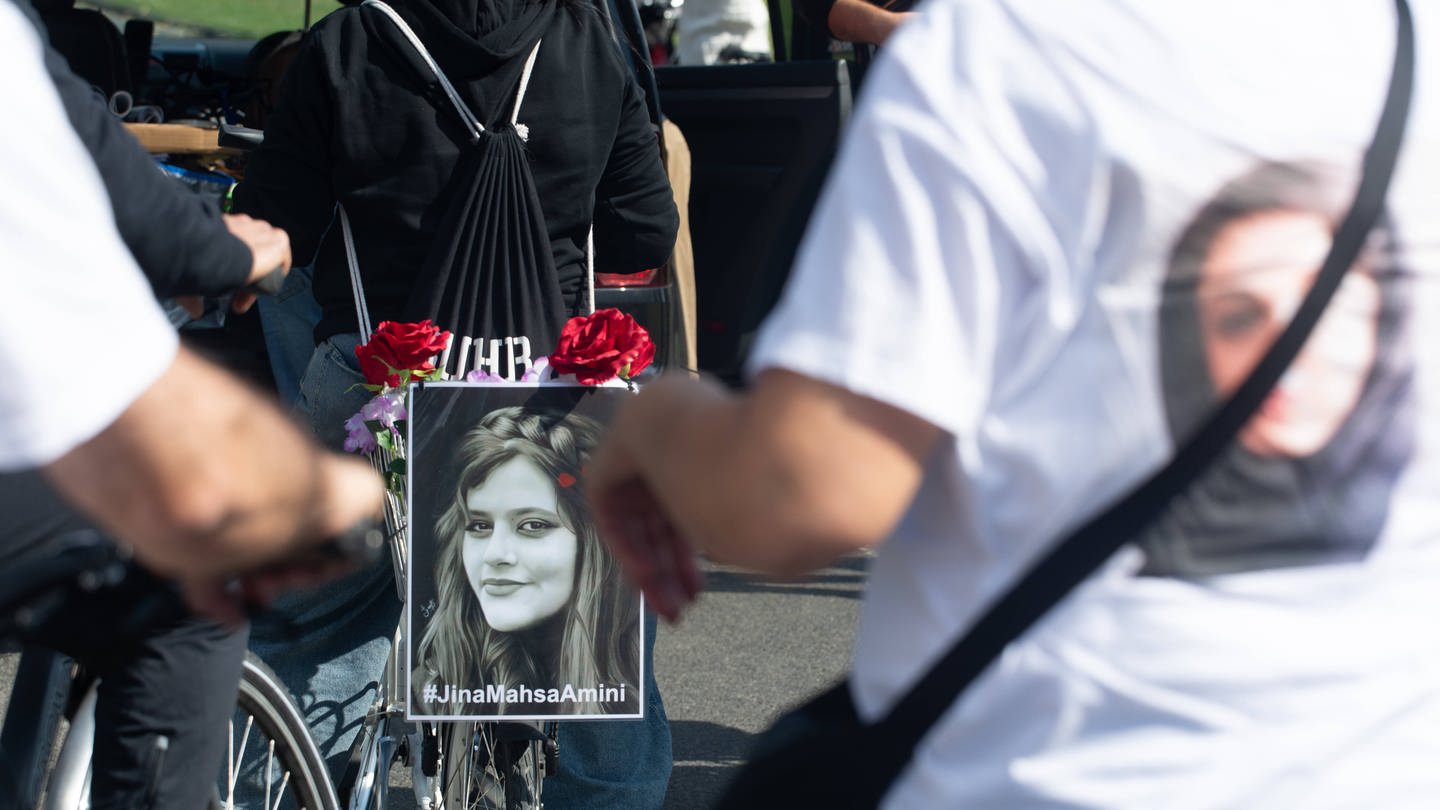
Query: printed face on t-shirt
column 1254, row 276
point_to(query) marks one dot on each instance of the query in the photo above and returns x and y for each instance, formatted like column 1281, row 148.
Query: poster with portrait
column 515, row 609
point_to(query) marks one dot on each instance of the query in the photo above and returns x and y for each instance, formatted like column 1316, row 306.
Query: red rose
column 397, row 347
column 600, row 347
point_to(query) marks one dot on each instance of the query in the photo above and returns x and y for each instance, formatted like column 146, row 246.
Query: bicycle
column 501, row 765
column 468, row 765
column 52, row 699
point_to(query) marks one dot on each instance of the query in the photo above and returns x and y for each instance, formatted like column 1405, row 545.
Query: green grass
column 232, row 18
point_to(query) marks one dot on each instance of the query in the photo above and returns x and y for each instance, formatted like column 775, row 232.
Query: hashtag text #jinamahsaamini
column 500, row 693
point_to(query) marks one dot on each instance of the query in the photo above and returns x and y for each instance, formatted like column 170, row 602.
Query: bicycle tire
column 498, row 765
column 288, row 754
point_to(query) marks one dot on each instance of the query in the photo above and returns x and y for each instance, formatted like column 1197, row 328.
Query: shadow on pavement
column 846, row 579
column 706, row 755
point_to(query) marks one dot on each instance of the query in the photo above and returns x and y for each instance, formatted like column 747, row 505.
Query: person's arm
column 860, row 21
column 635, row 215
column 287, row 178
column 193, row 253
column 198, row 474
column 781, row 479
column 852, row 20
column 198, row 251
column 203, row 476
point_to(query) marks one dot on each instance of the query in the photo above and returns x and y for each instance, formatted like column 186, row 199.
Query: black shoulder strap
column 1087, row 548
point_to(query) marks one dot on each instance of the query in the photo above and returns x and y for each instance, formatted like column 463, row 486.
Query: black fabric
column 475, row 36
column 817, row 755
column 93, row 46
column 164, row 672
column 356, row 123
column 176, row 680
column 629, row 33
column 180, row 683
column 795, row 760
column 816, row 13
column 490, row 275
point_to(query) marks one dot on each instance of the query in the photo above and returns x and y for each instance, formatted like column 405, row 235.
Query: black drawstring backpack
column 489, row 276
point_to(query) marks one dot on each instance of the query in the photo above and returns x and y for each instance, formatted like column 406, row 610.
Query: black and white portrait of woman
column 1309, row 479
column 528, row 614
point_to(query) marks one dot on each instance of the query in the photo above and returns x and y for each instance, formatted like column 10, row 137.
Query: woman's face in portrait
column 1256, row 274
column 519, row 556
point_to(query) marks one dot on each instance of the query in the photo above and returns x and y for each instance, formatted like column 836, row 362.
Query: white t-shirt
column 81, row 335
column 707, row 27
column 1048, row 233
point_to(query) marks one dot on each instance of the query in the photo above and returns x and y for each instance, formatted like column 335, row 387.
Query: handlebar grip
column 361, row 543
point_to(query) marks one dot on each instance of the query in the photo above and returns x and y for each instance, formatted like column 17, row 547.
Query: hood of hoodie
column 472, row 38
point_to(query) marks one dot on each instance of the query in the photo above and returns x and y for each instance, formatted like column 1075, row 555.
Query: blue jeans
column 329, row 645
column 616, row 763
column 287, row 321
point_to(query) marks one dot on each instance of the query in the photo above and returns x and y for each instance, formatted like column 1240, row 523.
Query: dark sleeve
column 287, row 179
column 635, row 216
column 177, row 236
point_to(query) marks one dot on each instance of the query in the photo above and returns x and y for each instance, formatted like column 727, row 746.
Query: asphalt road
column 744, row 652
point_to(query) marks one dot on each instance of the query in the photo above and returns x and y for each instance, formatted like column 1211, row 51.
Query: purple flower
column 386, row 409
column 537, row 370
column 481, row 375
column 358, row 438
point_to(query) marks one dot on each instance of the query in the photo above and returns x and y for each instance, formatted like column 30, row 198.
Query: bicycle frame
column 45, row 687
column 37, row 704
column 379, row 742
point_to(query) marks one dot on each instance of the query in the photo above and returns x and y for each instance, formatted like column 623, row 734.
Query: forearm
column 859, row 21
column 215, row 478
column 781, row 480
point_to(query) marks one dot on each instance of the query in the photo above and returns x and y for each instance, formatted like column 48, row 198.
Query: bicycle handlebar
column 34, row 589
column 360, row 544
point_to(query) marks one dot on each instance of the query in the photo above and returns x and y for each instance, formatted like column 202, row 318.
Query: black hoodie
column 360, row 121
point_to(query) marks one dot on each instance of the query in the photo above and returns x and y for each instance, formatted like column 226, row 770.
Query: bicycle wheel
column 271, row 757
column 497, row 766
